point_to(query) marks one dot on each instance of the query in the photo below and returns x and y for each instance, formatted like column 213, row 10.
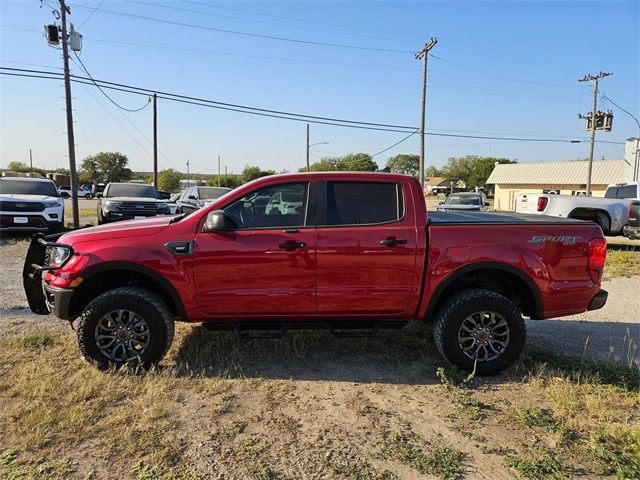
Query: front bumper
column 598, row 300
column 631, row 232
column 58, row 300
column 35, row 223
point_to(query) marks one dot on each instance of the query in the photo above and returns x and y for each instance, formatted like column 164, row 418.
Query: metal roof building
column 565, row 178
column 558, row 173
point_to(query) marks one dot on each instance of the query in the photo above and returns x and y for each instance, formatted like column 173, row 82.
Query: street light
column 313, row 144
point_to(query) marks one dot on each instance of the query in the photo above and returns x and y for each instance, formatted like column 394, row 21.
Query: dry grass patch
column 622, row 263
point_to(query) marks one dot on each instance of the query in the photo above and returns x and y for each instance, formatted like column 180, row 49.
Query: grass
column 622, row 263
column 443, row 462
column 542, row 466
column 226, row 405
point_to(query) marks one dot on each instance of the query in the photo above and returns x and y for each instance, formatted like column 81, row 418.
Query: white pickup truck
column 610, row 212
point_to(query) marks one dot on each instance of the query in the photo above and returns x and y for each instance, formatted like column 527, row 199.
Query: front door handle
column 291, row 245
column 392, row 242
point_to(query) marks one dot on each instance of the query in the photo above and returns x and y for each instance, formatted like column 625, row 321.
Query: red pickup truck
column 351, row 251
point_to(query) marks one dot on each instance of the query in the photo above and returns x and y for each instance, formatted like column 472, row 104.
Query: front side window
column 283, row 205
column 363, row 203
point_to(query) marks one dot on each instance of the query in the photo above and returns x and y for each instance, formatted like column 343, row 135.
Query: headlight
column 58, row 255
column 161, row 206
column 53, row 203
column 112, row 203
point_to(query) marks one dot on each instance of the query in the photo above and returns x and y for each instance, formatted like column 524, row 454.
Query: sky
column 498, row 69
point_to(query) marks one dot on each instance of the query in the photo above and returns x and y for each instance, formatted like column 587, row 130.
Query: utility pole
column 155, row 140
column 594, row 118
column 424, row 56
column 31, row 162
column 226, row 183
column 307, row 147
column 218, row 170
column 64, row 10
column 188, row 176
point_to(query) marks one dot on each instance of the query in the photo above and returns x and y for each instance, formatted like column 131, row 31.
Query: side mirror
column 98, row 195
column 192, row 197
column 217, row 222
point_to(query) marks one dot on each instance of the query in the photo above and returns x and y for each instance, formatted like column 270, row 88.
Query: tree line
column 472, row 170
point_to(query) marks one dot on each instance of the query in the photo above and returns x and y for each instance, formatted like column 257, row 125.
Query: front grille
column 10, row 206
column 139, row 209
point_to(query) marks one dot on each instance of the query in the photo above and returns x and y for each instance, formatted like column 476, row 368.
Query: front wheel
column 125, row 326
column 480, row 329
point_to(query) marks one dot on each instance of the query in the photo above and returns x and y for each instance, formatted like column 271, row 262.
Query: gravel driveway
column 612, row 332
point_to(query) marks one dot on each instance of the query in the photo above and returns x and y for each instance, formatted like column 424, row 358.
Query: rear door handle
column 392, row 242
column 291, row 245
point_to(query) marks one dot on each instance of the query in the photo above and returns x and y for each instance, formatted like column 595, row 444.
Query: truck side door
column 266, row 265
column 366, row 248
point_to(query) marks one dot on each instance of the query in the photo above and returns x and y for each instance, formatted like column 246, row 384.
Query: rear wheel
column 125, row 326
column 480, row 328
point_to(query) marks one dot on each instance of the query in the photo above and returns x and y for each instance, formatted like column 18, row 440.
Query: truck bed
column 496, row 218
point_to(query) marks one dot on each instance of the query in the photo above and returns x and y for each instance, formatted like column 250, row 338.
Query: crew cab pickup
column 355, row 252
column 611, row 213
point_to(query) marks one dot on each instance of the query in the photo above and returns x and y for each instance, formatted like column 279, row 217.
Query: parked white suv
column 30, row 204
column 83, row 191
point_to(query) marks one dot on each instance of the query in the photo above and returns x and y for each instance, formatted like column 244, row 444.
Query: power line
column 396, row 144
column 263, row 22
column 91, row 14
column 102, row 91
column 316, row 22
column 264, row 112
column 246, row 34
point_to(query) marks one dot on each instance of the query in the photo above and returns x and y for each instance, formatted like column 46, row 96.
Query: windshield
column 463, row 200
column 132, row 190
column 22, row 187
column 210, row 193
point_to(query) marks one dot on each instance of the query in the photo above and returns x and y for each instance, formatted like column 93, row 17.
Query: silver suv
column 30, row 204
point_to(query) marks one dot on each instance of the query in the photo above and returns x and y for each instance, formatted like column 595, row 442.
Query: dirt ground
column 310, row 406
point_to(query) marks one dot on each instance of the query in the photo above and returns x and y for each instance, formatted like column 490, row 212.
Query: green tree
column 358, row 162
column 21, row 167
column 355, row 162
column 407, row 164
column 107, row 167
column 432, row 171
column 230, row 181
column 327, row 164
column 252, row 172
column 473, row 170
column 169, row 180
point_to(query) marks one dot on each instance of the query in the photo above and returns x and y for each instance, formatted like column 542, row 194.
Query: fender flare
column 164, row 283
column 538, row 312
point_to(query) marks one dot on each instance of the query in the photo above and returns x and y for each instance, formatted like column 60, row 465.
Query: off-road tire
column 147, row 305
column 465, row 303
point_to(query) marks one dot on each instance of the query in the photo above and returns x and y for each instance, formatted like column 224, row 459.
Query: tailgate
column 527, row 203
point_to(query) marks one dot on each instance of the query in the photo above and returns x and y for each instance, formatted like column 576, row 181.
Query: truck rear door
column 366, row 248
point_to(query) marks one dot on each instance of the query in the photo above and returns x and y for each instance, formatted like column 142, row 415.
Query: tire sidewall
column 109, row 302
column 490, row 302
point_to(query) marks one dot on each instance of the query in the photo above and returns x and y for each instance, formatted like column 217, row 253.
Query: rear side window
column 363, row 203
column 625, row 191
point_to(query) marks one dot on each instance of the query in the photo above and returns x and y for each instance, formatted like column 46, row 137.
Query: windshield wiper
column 178, row 218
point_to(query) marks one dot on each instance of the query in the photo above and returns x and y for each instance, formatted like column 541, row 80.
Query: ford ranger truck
column 354, row 252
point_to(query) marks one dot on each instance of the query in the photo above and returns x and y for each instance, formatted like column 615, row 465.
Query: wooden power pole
column 64, row 10
column 594, row 120
column 307, row 147
column 424, row 56
column 155, row 140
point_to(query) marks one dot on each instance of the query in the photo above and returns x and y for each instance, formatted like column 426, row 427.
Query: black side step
column 247, row 333
column 371, row 331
